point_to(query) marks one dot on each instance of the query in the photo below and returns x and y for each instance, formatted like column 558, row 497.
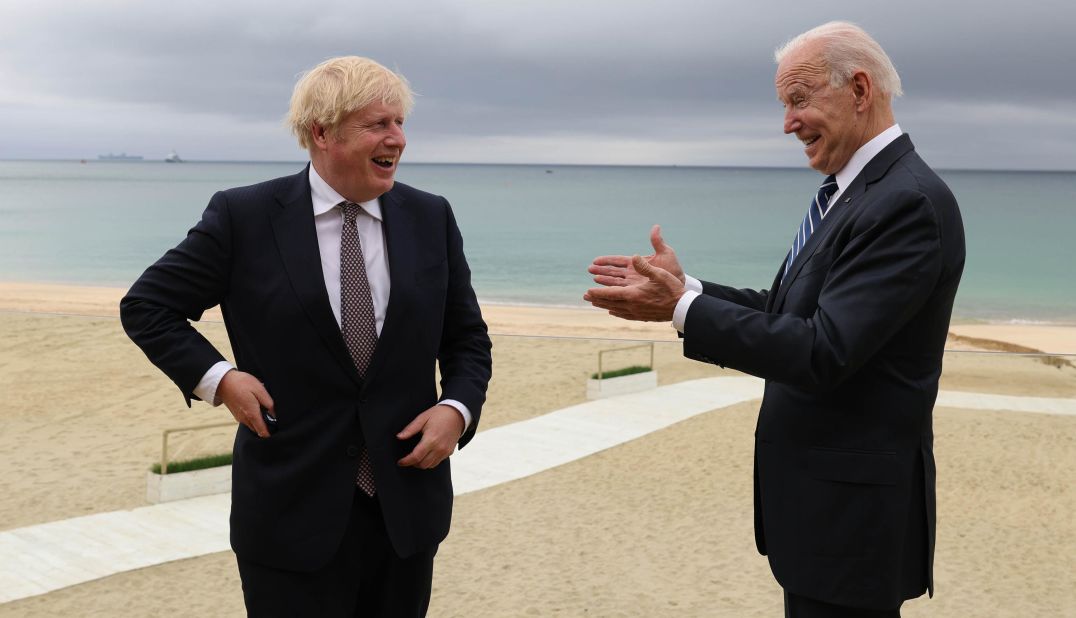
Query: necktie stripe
column 816, row 213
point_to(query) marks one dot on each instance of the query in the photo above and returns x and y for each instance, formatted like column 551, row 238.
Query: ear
column 319, row 135
column 862, row 90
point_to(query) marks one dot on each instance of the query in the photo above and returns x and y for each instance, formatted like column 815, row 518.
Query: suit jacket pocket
column 853, row 466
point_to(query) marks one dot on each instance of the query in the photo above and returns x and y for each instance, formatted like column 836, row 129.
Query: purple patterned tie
column 357, row 321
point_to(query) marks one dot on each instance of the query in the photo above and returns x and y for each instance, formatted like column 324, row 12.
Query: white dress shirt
column 329, row 225
column 844, row 177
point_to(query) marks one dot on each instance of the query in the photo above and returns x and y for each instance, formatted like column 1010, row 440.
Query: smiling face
column 359, row 157
column 829, row 121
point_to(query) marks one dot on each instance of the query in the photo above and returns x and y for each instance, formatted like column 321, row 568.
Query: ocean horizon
column 530, row 230
column 303, row 162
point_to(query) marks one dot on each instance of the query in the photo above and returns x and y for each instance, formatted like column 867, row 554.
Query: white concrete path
column 45, row 557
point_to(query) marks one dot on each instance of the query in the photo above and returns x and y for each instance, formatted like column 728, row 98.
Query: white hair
column 847, row 48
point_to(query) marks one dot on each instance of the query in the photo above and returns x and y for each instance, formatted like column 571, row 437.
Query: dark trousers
column 797, row 606
column 364, row 579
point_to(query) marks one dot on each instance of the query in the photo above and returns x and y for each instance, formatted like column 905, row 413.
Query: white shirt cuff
column 680, row 312
column 693, row 284
column 207, row 386
column 462, row 409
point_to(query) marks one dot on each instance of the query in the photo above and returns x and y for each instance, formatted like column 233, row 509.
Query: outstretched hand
column 651, row 298
column 617, row 270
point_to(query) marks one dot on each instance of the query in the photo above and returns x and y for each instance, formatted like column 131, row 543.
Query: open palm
column 617, row 270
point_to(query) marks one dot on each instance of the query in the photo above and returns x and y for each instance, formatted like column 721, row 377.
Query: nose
column 792, row 121
column 396, row 137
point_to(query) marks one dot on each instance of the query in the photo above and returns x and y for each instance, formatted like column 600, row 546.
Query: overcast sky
column 689, row 82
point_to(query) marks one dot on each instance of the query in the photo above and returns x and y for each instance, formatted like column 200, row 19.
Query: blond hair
column 339, row 86
column 847, row 48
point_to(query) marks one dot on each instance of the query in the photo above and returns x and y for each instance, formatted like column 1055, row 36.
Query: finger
column 597, row 301
column 416, row 455
column 253, row 414
column 263, row 398
column 612, row 260
column 613, row 271
column 644, row 268
column 607, row 293
column 413, row 427
column 611, row 281
column 601, row 300
column 656, row 240
column 653, row 273
column 431, row 460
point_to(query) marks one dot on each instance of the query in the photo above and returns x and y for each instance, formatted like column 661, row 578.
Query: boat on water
column 173, row 158
column 123, row 156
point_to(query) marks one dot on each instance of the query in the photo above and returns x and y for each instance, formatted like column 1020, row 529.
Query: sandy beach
column 660, row 526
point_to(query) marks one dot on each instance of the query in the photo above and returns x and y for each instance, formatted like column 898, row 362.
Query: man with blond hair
column 849, row 338
column 342, row 291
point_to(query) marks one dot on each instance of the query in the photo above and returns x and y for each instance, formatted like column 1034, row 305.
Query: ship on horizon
column 173, row 157
column 123, row 156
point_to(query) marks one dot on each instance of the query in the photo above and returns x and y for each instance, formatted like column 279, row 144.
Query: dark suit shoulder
column 408, row 194
column 259, row 194
column 911, row 171
column 908, row 183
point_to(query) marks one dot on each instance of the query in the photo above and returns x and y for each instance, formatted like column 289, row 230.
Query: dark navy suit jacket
column 255, row 253
column 850, row 345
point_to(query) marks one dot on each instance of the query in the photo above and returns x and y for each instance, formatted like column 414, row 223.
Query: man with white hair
column 849, row 338
column 342, row 292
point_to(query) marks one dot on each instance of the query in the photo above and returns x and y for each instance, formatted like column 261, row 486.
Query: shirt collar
column 861, row 157
column 326, row 198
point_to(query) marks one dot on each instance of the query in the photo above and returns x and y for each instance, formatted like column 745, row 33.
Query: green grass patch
column 198, row 463
column 616, row 373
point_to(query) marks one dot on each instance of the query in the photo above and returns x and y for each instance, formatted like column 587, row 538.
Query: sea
column 530, row 231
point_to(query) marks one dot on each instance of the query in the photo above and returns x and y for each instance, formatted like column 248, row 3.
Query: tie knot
column 825, row 192
column 828, row 187
column 350, row 210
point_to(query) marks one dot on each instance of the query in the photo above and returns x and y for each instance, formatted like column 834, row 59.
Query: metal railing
column 168, row 432
column 602, row 353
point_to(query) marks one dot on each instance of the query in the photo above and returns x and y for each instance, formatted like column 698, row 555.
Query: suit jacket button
column 352, row 451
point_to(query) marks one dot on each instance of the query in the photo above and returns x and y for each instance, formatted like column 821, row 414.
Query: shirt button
column 352, row 451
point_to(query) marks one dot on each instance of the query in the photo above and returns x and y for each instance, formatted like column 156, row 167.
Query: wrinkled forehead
column 802, row 68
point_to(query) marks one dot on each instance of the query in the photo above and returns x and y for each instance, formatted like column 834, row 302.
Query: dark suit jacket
column 850, row 345
column 255, row 253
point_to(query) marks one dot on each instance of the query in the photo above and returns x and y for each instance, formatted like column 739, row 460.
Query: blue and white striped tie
column 813, row 219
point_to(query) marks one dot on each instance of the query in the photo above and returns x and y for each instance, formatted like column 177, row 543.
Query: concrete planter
column 181, row 485
column 611, row 387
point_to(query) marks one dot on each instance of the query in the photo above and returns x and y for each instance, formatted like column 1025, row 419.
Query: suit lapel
column 848, row 201
column 297, row 240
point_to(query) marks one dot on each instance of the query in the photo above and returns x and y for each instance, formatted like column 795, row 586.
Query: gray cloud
column 681, row 81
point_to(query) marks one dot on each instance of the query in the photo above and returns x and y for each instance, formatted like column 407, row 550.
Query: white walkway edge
column 41, row 558
column 521, row 449
column 983, row 401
